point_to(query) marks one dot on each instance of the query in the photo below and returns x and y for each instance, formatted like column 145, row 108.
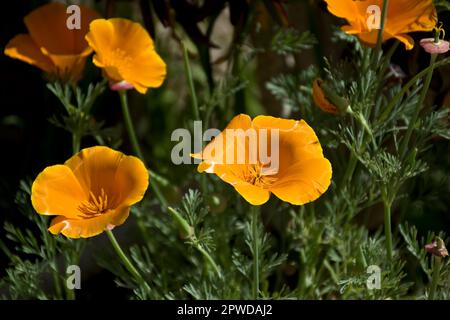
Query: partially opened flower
column 268, row 155
column 91, row 192
column 125, row 52
column 50, row 45
column 403, row 17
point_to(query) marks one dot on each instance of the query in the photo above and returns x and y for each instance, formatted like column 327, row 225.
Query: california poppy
column 125, row 51
column 90, row 192
column 302, row 172
column 403, row 17
column 50, row 45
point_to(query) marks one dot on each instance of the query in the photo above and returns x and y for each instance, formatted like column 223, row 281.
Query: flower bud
column 328, row 100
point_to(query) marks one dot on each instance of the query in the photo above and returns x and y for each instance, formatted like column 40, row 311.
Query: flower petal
column 123, row 178
column 126, row 52
column 23, row 47
column 85, row 228
column 56, row 191
column 132, row 180
column 406, row 16
column 253, row 194
column 47, row 26
column 67, row 67
column 217, row 150
column 304, row 182
column 147, row 72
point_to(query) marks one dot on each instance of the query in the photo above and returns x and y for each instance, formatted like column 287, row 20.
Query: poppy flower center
column 118, row 58
column 257, row 176
column 96, row 205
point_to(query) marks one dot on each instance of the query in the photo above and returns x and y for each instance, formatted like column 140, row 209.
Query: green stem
column 387, row 225
column 208, row 258
column 255, row 239
column 135, row 144
column 70, row 293
column 381, row 30
column 194, row 100
column 388, row 57
column 407, row 86
column 56, row 281
column 76, row 142
column 412, row 123
column 190, row 79
column 129, row 124
column 350, row 169
column 435, row 280
column 127, row 263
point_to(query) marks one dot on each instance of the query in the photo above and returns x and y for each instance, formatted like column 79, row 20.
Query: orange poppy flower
column 125, row 51
column 301, row 173
column 90, row 192
column 403, row 17
column 50, row 45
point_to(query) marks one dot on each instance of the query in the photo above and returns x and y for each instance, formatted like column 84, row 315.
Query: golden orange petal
column 304, row 182
column 123, row 178
column 252, row 194
column 131, row 179
column 23, row 47
column 125, row 50
column 85, row 228
column 56, row 191
column 47, row 26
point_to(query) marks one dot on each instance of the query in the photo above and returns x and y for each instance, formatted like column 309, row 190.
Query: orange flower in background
column 302, row 173
column 50, row 45
column 403, row 17
column 90, row 192
column 125, row 51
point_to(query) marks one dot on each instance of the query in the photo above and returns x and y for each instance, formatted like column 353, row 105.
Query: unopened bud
column 327, row 99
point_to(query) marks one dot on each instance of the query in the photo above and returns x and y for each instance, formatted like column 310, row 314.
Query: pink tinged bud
column 433, row 47
column 437, row 248
column 121, row 85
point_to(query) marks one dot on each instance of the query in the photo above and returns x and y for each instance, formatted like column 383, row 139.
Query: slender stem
column 127, row 263
column 70, row 293
column 412, row 123
column 208, row 258
column 350, row 169
column 190, row 79
column 76, row 142
column 435, row 280
column 255, row 239
column 129, row 124
column 135, row 144
column 194, row 101
column 387, row 224
column 381, row 30
column 56, row 280
column 388, row 57
column 407, row 86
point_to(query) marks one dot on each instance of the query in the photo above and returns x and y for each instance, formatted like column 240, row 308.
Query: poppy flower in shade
column 403, row 17
column 50, row 45
column 90, row 192
column 301, row 175
column 125, row 52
